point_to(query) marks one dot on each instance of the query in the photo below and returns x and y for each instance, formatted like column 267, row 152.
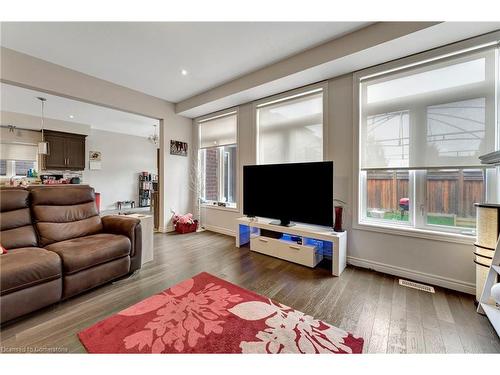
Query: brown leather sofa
column 59, row 246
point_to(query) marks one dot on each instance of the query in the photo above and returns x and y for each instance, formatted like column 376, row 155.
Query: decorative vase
column 338, row 219
column 495, row 293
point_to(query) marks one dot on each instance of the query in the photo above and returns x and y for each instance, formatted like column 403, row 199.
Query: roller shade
column 438, row 115
column 17, row 151
column 291, row 130
column 220, row 131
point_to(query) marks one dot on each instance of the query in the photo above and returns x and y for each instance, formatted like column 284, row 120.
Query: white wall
column 176, row 191
column 123, row 158
column 436, row 262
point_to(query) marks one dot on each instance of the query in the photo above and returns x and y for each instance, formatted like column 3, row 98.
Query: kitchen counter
column 126, row 211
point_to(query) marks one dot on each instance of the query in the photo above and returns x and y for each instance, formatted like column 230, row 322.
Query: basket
column 186, row 228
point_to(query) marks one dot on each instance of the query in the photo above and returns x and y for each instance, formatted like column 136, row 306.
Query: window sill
column 417, row 233
column 221, row 208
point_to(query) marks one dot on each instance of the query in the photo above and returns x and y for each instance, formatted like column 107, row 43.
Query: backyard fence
column 447, row 192
column 385, row 188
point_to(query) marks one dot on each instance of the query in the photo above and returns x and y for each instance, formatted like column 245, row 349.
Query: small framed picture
column 95, row 158
column 95, row 155
column 178, row 148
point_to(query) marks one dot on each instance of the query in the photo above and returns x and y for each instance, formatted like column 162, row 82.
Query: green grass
column 431, row 219
column 440, row 220
column 394, row 216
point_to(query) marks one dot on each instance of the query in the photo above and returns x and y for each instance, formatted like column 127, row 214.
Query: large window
column 218, row 159
column 291, row 129
column 422, row 130
column 3, row 167
column 17, row 159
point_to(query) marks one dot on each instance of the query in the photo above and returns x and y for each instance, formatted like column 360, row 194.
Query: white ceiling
column 149, row 57
column 428, row 38
column 21, row 100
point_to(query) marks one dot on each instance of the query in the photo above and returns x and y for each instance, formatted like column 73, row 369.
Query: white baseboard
column 423, row 277
column 222, row 230
column 168, row 228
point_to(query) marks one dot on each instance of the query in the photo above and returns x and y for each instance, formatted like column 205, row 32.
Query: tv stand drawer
column 290, row 251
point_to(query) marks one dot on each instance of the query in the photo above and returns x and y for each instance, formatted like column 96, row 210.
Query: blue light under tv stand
column 316, row 242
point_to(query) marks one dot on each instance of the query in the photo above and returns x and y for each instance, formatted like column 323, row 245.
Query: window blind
column 440, row 114
column 219, row 131
column 291, row 130
column 17, row 151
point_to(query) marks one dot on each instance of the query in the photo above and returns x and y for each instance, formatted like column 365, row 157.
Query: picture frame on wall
column 95, row 155
column 95, row 158
column 178, row 148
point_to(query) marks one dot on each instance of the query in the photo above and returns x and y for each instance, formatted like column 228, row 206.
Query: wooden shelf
column 493, row 315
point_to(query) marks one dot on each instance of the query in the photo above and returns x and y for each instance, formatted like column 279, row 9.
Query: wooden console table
column 316, row 241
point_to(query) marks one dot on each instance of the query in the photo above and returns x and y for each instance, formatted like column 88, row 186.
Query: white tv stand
column 317, row 241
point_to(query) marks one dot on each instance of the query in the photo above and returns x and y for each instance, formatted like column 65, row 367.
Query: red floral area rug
column 208, row 315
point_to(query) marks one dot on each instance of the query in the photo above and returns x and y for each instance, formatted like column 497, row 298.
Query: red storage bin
column 98, row 202
column 186, row 228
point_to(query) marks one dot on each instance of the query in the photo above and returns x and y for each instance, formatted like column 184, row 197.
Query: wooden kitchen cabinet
column 66, row 151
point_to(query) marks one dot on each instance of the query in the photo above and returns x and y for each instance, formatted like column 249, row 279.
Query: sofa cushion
column 25, row 267
column 63, row 213
column 15, row 219
column 13, row 199
column 84, row 252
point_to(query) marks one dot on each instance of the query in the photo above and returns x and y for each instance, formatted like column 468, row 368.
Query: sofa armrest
column 129, row 227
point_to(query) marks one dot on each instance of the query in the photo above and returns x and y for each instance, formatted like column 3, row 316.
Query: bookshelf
column 148, row 184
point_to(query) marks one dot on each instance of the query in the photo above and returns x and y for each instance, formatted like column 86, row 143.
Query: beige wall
column 33, row 122
column 436, row 262
column 19, row 136
column 26, row 71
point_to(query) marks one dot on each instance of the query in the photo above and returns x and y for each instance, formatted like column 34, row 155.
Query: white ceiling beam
column 335, row 49
column 372, row 45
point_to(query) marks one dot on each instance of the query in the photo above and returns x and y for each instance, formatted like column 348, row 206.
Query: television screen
column 300, row 192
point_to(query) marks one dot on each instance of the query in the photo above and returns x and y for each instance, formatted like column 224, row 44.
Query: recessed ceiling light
column 184, row 72
column 71, row 116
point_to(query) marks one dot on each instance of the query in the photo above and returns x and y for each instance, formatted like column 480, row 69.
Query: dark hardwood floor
column 391, row 318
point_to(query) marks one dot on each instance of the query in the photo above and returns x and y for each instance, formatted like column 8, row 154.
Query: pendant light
column 155, row 139
column 43, row 147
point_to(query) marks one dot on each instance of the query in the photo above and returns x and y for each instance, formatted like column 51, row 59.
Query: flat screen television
column 300, row 192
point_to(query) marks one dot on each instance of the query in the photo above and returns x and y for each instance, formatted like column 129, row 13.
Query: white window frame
column 11, row 170
column 385, row 222
column 290, row 95
column 418, row 230
column 220, row 181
